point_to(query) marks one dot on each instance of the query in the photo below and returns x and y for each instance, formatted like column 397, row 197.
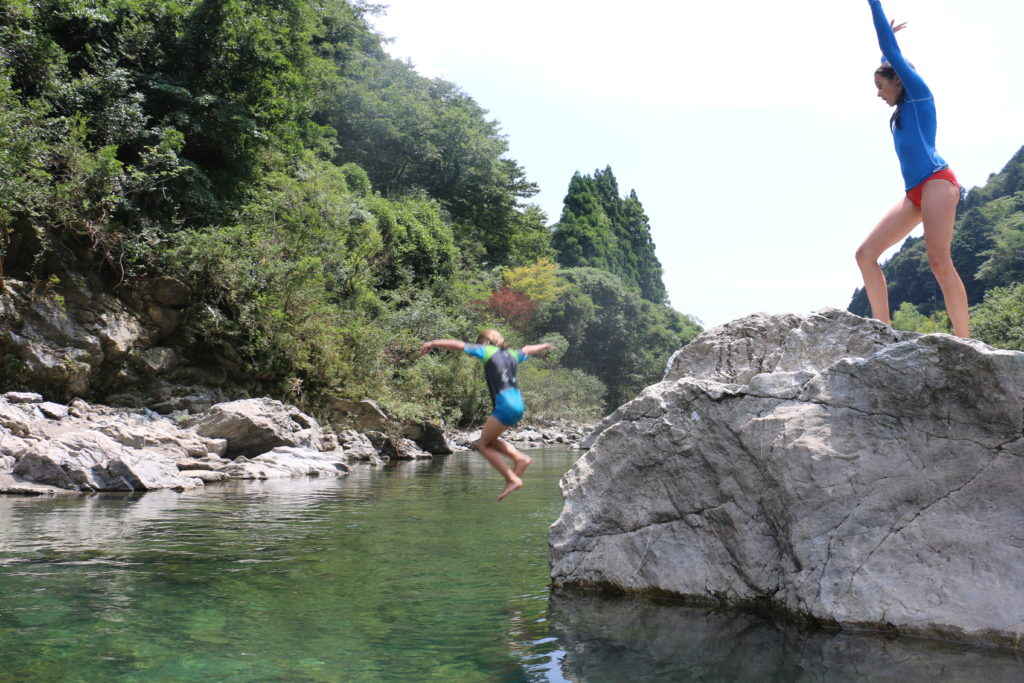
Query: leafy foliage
column 416, row 134
column 327, row 207
column 1003, row 262
column 537, row 281
column 999, row 319
column 552, row 390
column 613, row 333
column 512, row 306
column 907, row 317
column 23, row 160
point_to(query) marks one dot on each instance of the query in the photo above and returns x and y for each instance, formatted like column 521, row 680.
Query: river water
column 408, row 573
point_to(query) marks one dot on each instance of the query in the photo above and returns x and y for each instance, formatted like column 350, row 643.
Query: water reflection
column 112, row 521
column 407, row 572
column 606, row 638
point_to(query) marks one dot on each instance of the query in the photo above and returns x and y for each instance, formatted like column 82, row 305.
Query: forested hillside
column 327, row 207
column 988, row 250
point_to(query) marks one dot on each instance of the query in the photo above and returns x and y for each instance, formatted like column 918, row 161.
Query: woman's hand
column 896, row 28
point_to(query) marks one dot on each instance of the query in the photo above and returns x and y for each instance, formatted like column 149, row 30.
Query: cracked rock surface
column 825, row 465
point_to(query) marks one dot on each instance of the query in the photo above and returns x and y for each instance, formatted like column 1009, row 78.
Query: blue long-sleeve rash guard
column 915, row 136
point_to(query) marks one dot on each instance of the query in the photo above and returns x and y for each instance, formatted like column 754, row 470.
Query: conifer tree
column 601, row 229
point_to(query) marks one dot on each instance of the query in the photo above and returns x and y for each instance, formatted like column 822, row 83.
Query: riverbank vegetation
column 988, row 250
column 328, row 207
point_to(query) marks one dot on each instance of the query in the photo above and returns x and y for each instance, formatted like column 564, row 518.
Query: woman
column 932, row 191
column 500, row 364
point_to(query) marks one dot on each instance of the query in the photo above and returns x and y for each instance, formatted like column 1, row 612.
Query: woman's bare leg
column 938, row 209
column 487, row 445
column 894, row 226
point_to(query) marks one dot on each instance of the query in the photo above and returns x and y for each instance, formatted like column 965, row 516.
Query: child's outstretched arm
column 536, row 348
column 453, row 344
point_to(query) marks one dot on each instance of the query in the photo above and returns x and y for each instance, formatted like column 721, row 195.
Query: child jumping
column 500, row 365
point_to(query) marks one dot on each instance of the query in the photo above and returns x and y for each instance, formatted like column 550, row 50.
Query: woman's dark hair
column 888, row 73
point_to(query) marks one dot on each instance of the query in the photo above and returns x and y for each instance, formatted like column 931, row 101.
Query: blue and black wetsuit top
column 500, row 368
column 915, row 133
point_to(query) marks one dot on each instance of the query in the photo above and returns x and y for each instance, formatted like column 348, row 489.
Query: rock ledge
column 824, row 465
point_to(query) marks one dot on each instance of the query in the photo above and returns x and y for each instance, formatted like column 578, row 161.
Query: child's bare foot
column 522, row 464
column 513, row 484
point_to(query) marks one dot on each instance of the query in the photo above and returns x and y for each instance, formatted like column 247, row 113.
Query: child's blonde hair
column 492, row 337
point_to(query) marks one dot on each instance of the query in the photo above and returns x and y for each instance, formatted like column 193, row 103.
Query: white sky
column 749, row 129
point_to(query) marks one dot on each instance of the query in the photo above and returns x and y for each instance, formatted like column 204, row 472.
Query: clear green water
column 412, row 573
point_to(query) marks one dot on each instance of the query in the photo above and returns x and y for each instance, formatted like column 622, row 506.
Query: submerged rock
column 824, row 465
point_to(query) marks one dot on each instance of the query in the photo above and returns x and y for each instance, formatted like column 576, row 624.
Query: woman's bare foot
column 514, row 483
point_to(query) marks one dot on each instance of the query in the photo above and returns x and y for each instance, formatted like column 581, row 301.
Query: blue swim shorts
column 508, row 407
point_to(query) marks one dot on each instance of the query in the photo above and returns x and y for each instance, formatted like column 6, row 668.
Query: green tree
column 529, row 239
column 908, row 318
column 327, row 207
column 416, row 134
column 613, row 333
column 23, row 162
column 582, row 237
column 538, row 281
column 600, row 229
column 1003, row 262
column 999, row 319
column 261, row 286
column 646, row 267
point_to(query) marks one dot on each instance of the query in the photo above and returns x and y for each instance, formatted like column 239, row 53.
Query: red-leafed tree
column 511, row 305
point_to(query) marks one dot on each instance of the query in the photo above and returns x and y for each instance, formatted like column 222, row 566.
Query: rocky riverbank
column 158, row 414
column 51, row 448
column 536, row 433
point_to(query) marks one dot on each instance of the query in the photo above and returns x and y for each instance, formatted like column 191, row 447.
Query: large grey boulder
column 287, row 461
column 429, row 437
column 361, row 416
column 90, row 461
column 396, row 448
column 779, row 349
column 358, row 447
column 257, row 425
column 822, row 464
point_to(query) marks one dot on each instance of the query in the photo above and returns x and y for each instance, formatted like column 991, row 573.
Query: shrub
column 999, row 319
